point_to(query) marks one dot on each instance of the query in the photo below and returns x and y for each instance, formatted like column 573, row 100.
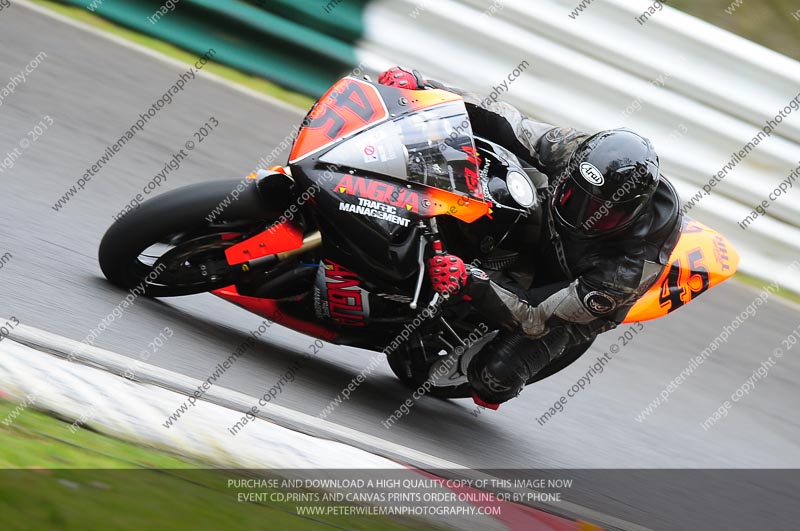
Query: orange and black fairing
column 371, row 223
column 425, row 202
column 350, row 106
column 702, row 259
column 353, row 105
column 372, row 162
column 400, row 101
column 275, row 311
column 420, row 137
column 381, row 159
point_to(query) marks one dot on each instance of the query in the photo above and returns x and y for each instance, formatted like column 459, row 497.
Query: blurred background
column 766, row 22
column 699, row 92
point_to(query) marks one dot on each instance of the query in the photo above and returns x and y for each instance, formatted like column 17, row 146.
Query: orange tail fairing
column 702, row 259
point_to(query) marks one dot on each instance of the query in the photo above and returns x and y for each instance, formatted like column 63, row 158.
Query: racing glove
column 448, row 274
column 397, row 77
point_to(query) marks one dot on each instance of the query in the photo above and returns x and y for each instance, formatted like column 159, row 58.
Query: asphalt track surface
column 94, row 90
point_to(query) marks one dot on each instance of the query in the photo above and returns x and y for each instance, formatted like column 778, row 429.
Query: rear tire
column 180, row 211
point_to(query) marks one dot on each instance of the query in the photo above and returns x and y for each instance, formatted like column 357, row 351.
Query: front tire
column 178, row 220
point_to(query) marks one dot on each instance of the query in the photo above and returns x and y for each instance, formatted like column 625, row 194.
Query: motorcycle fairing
column 425, row 202
column 276, row 239
column 271, row 309
column 350, row 106
column 424, row 139
column 382, row 250
column 400, row 100
column 433, row 146
column 353, row 105
column 702, row 259
column 339, row 296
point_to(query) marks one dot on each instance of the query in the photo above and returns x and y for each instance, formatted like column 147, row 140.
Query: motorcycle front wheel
column 174, row 244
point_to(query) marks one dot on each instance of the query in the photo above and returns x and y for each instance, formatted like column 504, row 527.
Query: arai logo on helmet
column 592, row 174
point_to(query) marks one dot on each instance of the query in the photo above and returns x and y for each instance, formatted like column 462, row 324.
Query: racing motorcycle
column 334, row 244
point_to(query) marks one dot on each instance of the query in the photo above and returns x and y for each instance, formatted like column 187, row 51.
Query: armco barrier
column 280, row 44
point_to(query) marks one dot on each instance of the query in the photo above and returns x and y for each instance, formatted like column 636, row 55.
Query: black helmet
column 609, row 180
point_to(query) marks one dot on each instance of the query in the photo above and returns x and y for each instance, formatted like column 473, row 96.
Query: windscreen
column 432, row 146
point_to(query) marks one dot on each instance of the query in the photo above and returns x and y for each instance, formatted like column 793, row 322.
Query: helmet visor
column 587, row 214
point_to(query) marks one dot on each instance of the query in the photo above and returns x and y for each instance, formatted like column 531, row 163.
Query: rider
column 611, row 222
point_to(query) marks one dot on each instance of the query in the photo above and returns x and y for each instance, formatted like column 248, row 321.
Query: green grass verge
column 256, row 83
column 53, row 479
column 34, row 440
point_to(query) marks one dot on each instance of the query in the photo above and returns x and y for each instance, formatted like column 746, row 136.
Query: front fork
column 459, row 349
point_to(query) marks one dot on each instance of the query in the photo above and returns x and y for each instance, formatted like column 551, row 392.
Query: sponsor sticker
column 376, row 210
column 370, row 154
column 339, row 296
column 382, row 192
column 555, row 134
column 592, row 174
column 599, row 302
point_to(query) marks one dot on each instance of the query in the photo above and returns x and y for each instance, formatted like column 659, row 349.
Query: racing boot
column 500, row 371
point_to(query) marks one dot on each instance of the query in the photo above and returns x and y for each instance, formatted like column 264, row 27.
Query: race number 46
column 686, row 280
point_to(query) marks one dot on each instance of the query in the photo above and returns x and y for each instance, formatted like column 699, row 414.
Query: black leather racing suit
column 582, row 286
